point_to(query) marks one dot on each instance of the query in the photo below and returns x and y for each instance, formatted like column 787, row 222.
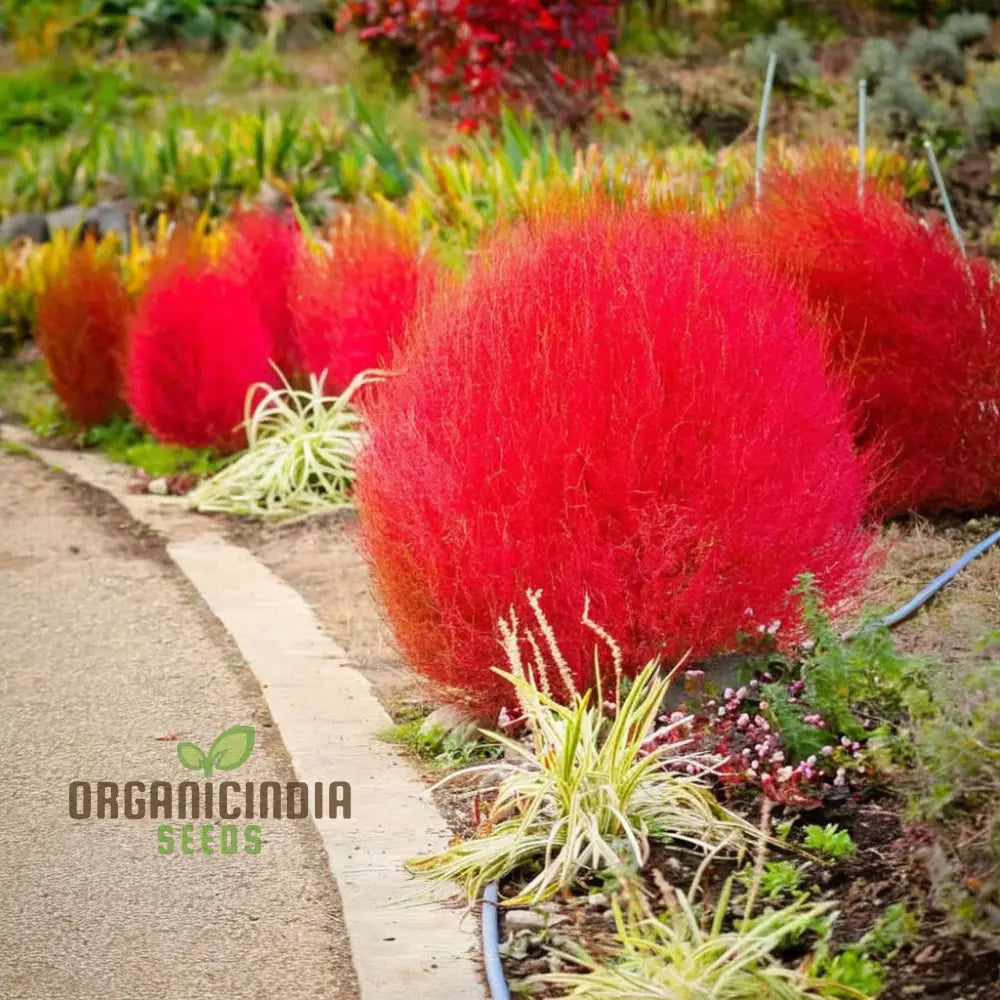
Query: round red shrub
column 262, row 252
column 615, row 405
column 197, row 344
column 908, row 331
column 353, row 304
column 82, row 330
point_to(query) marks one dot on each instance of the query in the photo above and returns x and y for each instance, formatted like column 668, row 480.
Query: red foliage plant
column 262, row 252
column 613, row 404
column 353, row 304
column 82, row 330
column 472, row 55
column 908, row 330
column 197, row 345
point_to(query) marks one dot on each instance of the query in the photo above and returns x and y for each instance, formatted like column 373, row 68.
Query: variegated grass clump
column 681, row 956
column 586, row 794
column 300, row 455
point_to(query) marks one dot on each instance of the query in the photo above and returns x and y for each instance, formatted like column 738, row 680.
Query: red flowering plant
column 597, row 409
column 553, row 55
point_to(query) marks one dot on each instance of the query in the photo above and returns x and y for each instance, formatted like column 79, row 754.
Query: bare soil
column 896, row 858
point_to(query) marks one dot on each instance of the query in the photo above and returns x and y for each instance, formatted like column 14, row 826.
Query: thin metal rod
column 762, row 122
column 862, row 123
column 945, row 200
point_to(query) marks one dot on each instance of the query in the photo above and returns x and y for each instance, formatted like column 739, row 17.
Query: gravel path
column 107, row 661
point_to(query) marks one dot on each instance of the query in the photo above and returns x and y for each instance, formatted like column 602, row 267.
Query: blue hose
column 491, row 930
column 935, row 585
column 491, row 944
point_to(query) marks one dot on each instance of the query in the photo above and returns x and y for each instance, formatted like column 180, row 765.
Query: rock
column 270, row 199
column 523, row 920
column 70, row 217
column 113, row 217
column 598, row 900
column 453, row 722
column 158, row 486
column 25, row 225
column 105, row 217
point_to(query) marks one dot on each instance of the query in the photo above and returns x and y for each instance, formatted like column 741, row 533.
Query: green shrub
column 984, row 114
column 795, row 64
column 162, row 22
column 954, row 778
column 47, row 99
column 257, row 66
column 935, row 53
column 830, row 840
column 878, row 60
column 902, row 103
column 966, row 28
column 957, row 749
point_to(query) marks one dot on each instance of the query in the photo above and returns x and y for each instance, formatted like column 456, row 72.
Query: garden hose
column 491, row 944
column 491, row 925
column 935, row 585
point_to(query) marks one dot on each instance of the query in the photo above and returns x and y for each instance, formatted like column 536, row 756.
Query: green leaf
column 232, row 748
column 190, row 756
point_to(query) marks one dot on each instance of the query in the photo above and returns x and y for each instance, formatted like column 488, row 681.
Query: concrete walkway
column 108, row 659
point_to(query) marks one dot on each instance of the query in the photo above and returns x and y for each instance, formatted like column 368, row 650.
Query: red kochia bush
column 262, row 253
column 614, row 405
column 352, row 305
column 906, row 316
column 82, row 329
column 197, row 344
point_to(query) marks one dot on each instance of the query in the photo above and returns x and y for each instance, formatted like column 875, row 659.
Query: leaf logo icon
column 230, row 750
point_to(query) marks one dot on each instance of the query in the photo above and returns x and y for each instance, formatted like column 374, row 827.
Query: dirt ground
column 320, row 558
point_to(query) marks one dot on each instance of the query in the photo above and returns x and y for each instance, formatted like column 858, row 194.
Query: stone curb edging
column 328, row 718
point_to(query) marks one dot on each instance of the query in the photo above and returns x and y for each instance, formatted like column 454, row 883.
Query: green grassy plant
column 443, row 748
column 122, row 441
column 26, row 394
column 301, row 446
column 48, row 98
column 191, row 158
column 584, row 795
column 682, row 955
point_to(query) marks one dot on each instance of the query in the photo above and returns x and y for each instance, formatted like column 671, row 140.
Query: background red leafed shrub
column 617, row 405
column 197, row 344
column 353, row 304
column 906, row 314
column 262, row 252
column 82, row 329
column 473, row 54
